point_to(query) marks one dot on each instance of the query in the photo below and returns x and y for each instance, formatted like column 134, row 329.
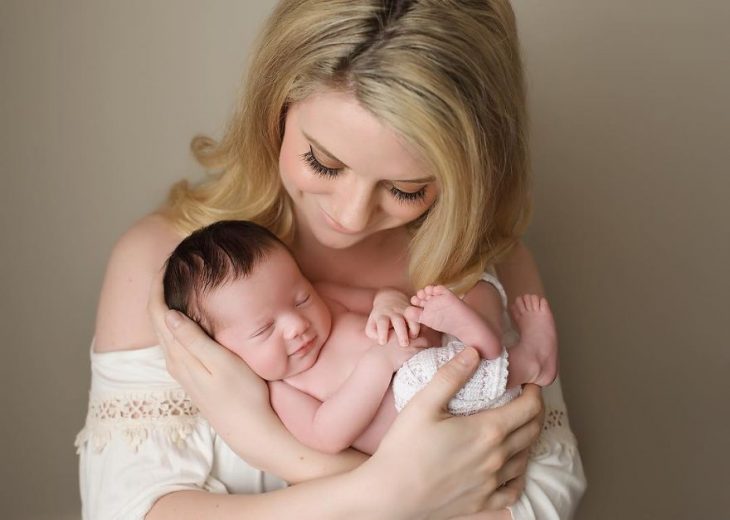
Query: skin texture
column 497, row 440
column 346, row 193
column 273, row 318
column 329, row 382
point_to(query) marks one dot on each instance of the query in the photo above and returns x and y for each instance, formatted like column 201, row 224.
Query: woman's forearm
column 349, row 495
column 519, row 274
column 278, row 452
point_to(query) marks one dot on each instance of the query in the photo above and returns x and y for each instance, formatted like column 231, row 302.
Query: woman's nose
column 354, row 207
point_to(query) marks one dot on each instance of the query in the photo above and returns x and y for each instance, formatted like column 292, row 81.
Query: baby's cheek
column 237, row 350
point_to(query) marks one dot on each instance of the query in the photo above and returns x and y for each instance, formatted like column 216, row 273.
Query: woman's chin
column 335, row 240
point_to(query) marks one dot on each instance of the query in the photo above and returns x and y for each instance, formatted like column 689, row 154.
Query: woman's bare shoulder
column 121, row 320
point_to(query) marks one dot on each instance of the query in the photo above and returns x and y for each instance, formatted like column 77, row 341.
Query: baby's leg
column 437, row 307
column 534, row 358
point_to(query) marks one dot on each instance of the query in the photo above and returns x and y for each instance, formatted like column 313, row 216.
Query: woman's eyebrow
column 422, row 180
column 322, row 149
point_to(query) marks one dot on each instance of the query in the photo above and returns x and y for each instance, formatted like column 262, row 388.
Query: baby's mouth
column 305, row 347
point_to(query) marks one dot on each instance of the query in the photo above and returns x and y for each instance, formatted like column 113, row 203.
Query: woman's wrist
column 375, row 499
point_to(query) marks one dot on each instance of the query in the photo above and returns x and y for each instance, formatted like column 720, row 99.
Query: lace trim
column 134, row 415
column 555, row 430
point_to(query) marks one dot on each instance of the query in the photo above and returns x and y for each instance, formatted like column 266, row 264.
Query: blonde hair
column 445, row 74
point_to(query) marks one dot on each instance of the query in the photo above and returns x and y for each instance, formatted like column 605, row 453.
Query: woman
column 385, row 143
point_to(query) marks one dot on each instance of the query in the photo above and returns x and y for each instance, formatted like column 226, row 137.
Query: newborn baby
column 329, row 381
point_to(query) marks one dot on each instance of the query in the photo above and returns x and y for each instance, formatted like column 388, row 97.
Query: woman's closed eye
column 408, row 196
column 325, row 171
column 317, row 167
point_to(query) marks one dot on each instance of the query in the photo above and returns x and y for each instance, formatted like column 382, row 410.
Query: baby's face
column 273, row 319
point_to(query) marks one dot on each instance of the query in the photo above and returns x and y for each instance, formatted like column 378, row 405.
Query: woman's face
column 349, row 175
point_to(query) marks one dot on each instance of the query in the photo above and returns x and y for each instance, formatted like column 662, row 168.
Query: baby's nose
column 297, row 326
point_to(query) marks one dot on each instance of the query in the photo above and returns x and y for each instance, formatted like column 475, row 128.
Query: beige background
column 98, row 101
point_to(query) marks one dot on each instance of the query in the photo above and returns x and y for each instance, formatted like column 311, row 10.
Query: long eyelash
column 409, row 197
column 316, row 166
column 320, row 169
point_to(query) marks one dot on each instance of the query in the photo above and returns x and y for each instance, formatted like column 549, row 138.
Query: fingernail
column 173, row 319
column 466, row 357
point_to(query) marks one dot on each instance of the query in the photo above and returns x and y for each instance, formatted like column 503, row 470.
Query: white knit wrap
column 486, row 388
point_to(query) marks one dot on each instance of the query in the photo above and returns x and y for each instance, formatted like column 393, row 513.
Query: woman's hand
column 234, row 400
column 442, row 466
column 206, row 370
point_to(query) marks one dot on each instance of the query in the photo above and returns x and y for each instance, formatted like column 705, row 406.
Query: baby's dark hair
column 210, row 257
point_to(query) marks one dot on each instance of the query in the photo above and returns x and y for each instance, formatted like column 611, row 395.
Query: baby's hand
column 388, row 307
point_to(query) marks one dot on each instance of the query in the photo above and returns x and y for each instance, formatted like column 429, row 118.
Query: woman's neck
column 380, row 260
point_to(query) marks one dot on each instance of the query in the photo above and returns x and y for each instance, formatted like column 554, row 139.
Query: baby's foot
column 535, row 358
column 440, row 309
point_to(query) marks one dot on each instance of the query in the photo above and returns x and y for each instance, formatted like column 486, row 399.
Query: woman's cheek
column 296, row 177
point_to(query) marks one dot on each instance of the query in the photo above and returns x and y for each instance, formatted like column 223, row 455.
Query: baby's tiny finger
column 413, row 328
column 401, row 331
column 383, row 324
column 370, row 330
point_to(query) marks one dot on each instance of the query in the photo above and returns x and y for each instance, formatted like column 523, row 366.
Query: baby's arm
column 385, row 309
column 334, row 424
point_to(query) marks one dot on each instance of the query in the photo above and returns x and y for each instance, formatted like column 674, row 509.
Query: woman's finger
column 514, row 468
column 192, row 338
column 515, row 414
column 446, row 382
column 157, row 308
column 523, row 437
column 506, row 495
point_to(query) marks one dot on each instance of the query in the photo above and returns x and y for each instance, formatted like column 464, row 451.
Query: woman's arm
column 519, row 274
column 122, row 320
column 435, row 477
column 555, row 481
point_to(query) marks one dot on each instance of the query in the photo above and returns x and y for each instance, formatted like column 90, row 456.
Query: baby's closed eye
column 261, row 331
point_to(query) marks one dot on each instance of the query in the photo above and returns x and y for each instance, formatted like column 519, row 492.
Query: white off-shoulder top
column 144, row 438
